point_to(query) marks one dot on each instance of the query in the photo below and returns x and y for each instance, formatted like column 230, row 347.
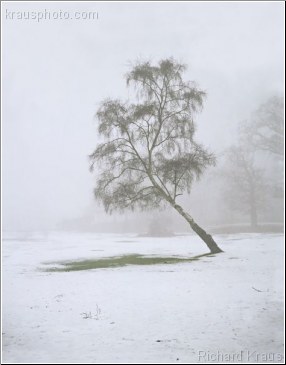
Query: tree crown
column 149, row 154
column 265, row 130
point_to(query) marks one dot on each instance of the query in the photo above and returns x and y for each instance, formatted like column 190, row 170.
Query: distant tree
column 245, row 187
column 265, row 130
column 148, row 156
column 263, row 134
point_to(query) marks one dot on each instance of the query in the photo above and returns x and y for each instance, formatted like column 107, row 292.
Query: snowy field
column 215, row 308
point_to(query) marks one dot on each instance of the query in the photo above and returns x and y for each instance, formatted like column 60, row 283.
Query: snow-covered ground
column 217, row 308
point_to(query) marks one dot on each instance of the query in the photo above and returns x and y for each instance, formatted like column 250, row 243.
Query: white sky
column 55, row 72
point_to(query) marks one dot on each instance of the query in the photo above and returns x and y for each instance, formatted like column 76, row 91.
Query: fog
column 56, row 72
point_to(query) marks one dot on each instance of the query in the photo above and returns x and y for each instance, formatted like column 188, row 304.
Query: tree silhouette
column 148, row 156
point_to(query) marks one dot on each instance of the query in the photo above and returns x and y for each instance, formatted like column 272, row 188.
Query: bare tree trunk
column 207, row 238
column 253, row 217
column 253, row 210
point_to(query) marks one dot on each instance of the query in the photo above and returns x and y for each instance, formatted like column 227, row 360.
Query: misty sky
column 55, row 73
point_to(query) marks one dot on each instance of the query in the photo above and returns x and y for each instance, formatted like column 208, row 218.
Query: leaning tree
column 148, row 156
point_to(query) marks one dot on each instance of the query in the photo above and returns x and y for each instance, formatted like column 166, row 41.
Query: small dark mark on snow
column 260, row 291
column 166, row 340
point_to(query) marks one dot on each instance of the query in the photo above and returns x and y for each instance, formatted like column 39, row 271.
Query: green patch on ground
column 119, row 261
